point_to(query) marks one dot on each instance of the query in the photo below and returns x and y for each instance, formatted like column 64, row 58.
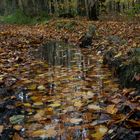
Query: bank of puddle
column 73, row 107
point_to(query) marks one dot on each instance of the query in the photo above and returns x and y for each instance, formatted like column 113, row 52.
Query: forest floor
column 85, row 101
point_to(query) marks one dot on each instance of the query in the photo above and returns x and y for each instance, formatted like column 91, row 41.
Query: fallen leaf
column 111, row 109
column 1, row 128
column 78, row 104
column 100, row 132
column 32, row 87
column 18, row 127
column 17, row 137
column 27, row 104
column 41, row 87
column 44, row 133
column 55, row 105
column 39, row 114
column 94, row 107
column 38, row 104
column 76, row 120
column 16, row 119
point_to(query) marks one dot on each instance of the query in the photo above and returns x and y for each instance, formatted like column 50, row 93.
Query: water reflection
column 74, row 82
column 60, row 54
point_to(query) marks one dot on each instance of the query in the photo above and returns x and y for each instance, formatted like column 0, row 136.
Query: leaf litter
column 77, row 99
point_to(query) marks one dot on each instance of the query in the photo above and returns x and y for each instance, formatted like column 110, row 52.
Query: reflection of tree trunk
column 93, row 7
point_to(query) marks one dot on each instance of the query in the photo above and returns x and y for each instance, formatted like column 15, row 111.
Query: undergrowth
column 18, row 17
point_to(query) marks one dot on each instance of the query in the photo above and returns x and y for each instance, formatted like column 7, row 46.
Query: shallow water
column 74, row 101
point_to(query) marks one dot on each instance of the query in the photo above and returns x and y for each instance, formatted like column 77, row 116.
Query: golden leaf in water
column 32, row 87
column 44, row 133
column 111, row 109
column 75, row 120
column 94, row 107
column 38, row 104
column 56, row 104
column 78, row 104
column 41, row 87
column 100, row 132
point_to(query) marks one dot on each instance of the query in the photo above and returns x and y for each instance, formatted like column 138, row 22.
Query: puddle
column 73, row 102
column 59, row 54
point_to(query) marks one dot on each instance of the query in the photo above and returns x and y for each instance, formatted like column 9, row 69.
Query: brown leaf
column 111, row 109
column 17, row 137
column 1, row 128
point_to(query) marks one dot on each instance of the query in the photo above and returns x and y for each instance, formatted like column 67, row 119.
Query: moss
column 126, row 68
column 18, row 17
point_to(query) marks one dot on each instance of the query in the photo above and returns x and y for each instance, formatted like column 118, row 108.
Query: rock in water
column 86, row 40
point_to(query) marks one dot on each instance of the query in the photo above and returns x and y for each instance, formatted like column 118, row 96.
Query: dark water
column 60, row 54
column 72, row 104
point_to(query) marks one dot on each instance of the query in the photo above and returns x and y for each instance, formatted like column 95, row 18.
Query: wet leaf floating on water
column 27, row 105
column 44, row 133
column 32, row 87
column 18, row 127
column 51, row 132
column 38, row 133
column 1, row 128
column 56, row 104
column 94, row 107
column 16, row 119
column 100, row 132
column 111, row 109
column 78, row 104
column 17, row 137
column 38, row 104
column 75, row 120
column 41, row 87
column 40, row 114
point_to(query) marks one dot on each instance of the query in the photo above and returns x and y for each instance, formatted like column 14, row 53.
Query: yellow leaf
column 18, row 127
column 55, row 105
column 32, row 87
column 48, row 133
column 41, row 87
column 17, row 137
column 94, row 107
column 49, row 109
column 75, row 120
column 100, row 132
column 38, row 104
column 78, row 104
column 27, row 104
column 111, row 109
column 118, row 55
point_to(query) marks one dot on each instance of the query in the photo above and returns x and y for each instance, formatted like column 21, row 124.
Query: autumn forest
column 69, row 69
